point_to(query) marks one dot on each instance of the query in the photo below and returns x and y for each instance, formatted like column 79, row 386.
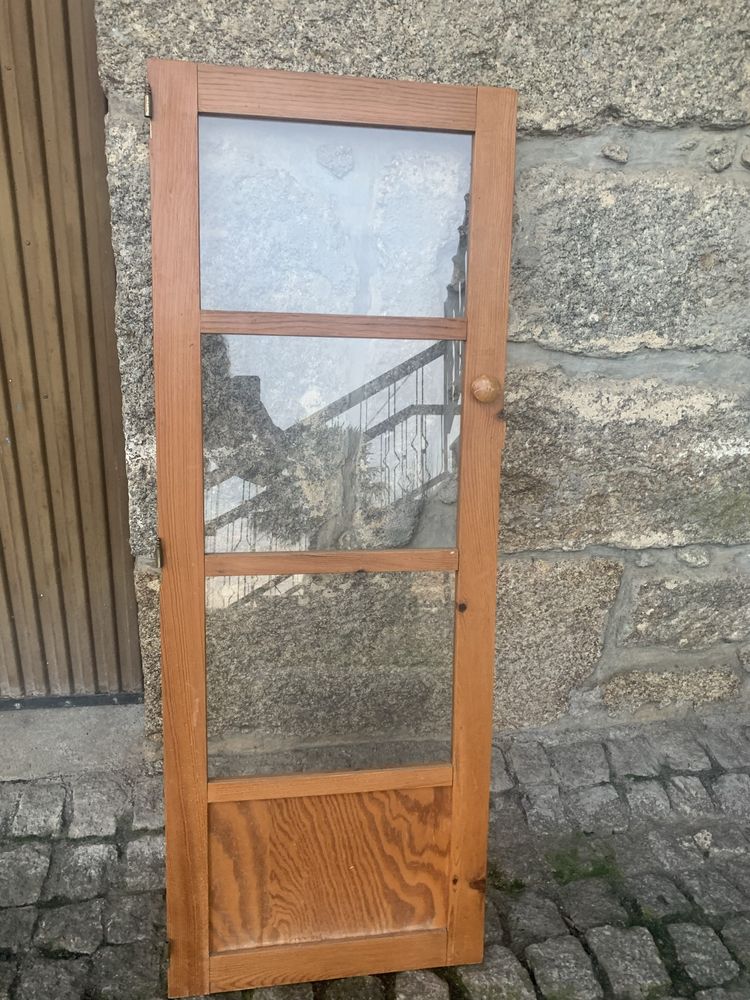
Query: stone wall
column 625, row 572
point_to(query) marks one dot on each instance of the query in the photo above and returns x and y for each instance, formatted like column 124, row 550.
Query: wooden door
column 328, row 364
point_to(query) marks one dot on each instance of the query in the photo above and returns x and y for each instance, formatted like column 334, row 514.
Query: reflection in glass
column 302, row 217
column 329, row 443
column 328, row 671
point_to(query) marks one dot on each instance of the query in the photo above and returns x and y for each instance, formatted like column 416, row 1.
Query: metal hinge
column 159, row 553
column 148, row 104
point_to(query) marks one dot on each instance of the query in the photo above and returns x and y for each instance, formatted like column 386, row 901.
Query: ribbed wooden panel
column 67, row 605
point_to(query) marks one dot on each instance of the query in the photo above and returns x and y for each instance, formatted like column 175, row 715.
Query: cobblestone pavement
column 620, row 869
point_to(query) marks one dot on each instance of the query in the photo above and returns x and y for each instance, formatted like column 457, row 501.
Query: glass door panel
column 328, row 672
column 329, row 443
column 302, row 217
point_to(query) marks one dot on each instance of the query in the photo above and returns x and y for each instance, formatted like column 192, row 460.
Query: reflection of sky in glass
column 301, row 375
column 302, row 217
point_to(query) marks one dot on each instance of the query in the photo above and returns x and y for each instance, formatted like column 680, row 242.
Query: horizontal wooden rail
column 370, row 560
column 332, row 959
column 291, row 324
column 294, row 786
column 347, row 100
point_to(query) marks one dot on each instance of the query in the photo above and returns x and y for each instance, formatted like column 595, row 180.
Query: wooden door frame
column 180, row 92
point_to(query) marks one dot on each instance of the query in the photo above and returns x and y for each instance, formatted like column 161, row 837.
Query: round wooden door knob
column 486, row 388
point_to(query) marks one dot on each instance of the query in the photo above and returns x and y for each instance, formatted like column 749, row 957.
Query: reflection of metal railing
column 410, row 434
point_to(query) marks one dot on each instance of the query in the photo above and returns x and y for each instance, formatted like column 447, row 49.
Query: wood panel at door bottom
column 299, row 870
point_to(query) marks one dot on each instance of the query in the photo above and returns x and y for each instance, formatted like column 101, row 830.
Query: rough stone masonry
column 625, row 567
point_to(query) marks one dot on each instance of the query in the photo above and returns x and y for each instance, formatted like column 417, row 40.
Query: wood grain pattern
column 331, row 325
column 174, row 198
column 334, row 866
column 327, row 959
column 478, row 498
column 263, row 93
column 329, row 783
column 353, row 561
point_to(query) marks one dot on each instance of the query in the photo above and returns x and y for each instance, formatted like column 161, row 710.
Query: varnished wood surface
column 370, row 560
column 263, row 93
column 294, row 870
column 329, row 783
column 179, row 453
column 332, row 325
column 327, row 959
column 478, row 502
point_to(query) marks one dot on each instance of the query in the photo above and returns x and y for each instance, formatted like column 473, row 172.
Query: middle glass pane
column 329, row 443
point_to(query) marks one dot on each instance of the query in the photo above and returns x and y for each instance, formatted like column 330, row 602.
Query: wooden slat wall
column 67, row 603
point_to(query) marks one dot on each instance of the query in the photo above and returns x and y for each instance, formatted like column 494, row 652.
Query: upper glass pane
column 301, row 217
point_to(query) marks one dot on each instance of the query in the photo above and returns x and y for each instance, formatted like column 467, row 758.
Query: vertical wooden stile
column 482, row 433
column 174, row 187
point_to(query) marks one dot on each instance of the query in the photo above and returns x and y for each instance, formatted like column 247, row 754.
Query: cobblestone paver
column 702, row 955
column 561, row 968
column 592, row 902
column 619, row 870
column 630, row 960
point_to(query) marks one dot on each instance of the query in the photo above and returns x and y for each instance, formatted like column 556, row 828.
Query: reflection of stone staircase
column 411, row 443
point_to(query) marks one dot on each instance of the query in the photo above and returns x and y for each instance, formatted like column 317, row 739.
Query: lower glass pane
column 328, row 671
